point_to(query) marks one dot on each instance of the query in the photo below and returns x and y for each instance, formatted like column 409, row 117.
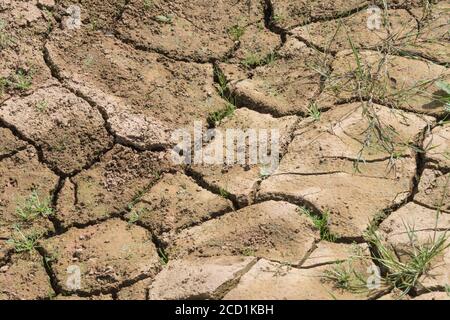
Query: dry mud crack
column 94, row 206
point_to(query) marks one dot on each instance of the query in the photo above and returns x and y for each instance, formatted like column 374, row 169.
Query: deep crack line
column 40, row 154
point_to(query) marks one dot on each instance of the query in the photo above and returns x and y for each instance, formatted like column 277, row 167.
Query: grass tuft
column 224, row 193
column 445, row 96
column 345, row 277
column 222, row 83
column 21, row 80
column 33, row 207
column 136, row 215
column 253, row 60
column 400, row 274
column 163, row 257
column 320, row 222
column 216, row 117
column 314, row 112
column 24, row 243
column 147, row 4
column 41, row 106
column 5, row 39
column 236, row 32
column 404, row 274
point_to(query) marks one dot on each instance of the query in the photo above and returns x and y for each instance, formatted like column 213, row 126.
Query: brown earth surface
column 89, row 191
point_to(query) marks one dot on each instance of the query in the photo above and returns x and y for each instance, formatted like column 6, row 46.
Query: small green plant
column 224, row 92
column 345, row 277
column 314, row 112
column 163, row 257
column 248, row 252
column 49, row 17
column 401, row 274
column 236, row 32
column 377, row 219
column 164, row 19
column 34, row 207
column 222, row 81
column 60, row 147
column 3, row 85
column 224, row 193
column 404, row 274
column 136, row 215
column 88, row 61
column 133, row 217
column 5, row 39
column 94, row 25
column 278, row 18
column 320, row 222
column 24, row 243
column 445, row 98
column 41, row 106
column 447, row 289
column 21, row 80
column 216, row 117
column 253, row 60
column 147, row 4
column 137, row 197
column 270, row 58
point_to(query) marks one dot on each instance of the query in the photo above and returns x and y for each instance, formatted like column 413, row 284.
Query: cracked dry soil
column 86, row 116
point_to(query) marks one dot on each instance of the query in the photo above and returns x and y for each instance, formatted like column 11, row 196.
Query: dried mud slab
column 272, row 230
column 432, row 40
column 108, row 256
column 426, row 227
column 433, row 190
column 25, row 278
column 9, row 144
column 335, row 35
column 67, row 129
column 21, row 176
column 285, row 86
column 199, row 278
column 137, row 291
column 108, row 187
column 437, row 146
column 234, row 180
column 94, row 14
column 176, row 202
column 194, row 30
column 237, row 183
column 24, row 22
column 327, row 166
column 403, row 82
column 288, row 14
column 22, row 69
column 256, row 46
column 23, row 27
column 143, row 95
column 423, row 221
column 273, row 281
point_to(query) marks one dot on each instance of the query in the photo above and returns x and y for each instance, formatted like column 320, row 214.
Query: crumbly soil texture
column 93, row 207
